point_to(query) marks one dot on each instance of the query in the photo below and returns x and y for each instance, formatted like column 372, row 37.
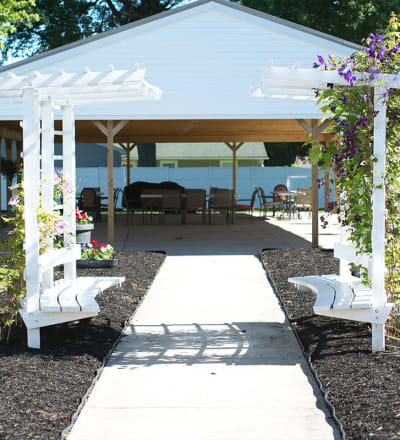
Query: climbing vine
column 351, row 111
column 12, row 266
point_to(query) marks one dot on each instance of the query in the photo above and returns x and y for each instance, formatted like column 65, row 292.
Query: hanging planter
column 84, row 233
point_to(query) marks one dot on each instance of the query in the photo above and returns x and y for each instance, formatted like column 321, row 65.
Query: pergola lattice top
column 298, row 83
column 82, row 88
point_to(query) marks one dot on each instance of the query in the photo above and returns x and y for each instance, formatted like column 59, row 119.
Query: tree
column 284, row 153
column 14, row 12
column 351, row 20
column 60, row 22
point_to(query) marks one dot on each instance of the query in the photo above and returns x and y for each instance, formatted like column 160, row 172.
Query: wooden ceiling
column 222, row 130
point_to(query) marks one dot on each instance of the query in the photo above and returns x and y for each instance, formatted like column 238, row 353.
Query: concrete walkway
column 209, row 355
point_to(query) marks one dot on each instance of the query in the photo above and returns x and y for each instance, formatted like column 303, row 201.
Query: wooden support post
column 128, row 149
column 314, row 177
column 234, row 147
column 335, row 187
column 326, row 190
column 110, row 131
column 110, row 146
column 19, row 160
column 9, row 181
column 128, row 166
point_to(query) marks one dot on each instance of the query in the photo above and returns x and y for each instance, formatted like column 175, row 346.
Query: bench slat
column 77, row 297
column 336, row 292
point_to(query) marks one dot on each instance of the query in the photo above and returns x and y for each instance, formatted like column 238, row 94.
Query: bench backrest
column 349, row 254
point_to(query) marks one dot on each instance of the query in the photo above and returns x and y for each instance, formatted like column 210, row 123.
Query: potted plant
column 95, row 255
column 84, row 227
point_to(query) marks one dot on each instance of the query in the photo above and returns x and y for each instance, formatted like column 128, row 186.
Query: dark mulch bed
column 41, row 389
column 363, row 387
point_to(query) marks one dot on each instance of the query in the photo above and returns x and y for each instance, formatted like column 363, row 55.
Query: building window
column 226, row 163
column 169, row 163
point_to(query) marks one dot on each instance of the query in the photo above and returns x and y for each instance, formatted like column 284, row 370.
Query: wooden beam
column 119, row 127
column 101, row 127
column 7, row 133
column 110, row 147
column 326, row 190
column 234, row 147
column 128, row 149
column 19, row 160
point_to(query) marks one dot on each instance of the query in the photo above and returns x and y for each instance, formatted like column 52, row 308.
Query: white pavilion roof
column 204, row 56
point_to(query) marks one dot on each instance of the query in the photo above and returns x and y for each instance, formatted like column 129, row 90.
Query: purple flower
column 330, row 85
column 320, row 59
column 316, row 92
column 343, row 99
column 362, row 122
column 13, row 200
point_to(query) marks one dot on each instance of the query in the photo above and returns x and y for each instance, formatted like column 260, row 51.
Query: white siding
column 204, row 59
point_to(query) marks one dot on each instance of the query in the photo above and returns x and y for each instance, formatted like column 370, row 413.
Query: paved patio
column 246, row 236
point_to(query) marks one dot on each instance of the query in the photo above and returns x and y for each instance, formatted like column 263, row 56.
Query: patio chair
column 221, row 200
column 194, row 201
column 275, row 201
column 90, row 202
column 303, row 201
column 172, row 202
column 247, row 207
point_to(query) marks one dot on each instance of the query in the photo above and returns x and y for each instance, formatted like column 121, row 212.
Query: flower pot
column 84, row 233
column 87, row 264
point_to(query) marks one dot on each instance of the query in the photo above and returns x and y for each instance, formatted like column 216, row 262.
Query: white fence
column 203, row 177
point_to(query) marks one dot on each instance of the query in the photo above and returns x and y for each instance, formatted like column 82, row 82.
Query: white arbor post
column 68, row 133
column 47, row 172
column 378, row 216
column 31, row 136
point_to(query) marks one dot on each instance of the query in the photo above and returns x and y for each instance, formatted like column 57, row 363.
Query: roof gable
column 204, row 56
column 188, row 9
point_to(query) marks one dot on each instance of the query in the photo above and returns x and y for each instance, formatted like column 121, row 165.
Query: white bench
column 344, row 296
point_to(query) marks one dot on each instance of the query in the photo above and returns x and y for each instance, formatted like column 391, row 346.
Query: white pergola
column 298, row 84
column 47, row 301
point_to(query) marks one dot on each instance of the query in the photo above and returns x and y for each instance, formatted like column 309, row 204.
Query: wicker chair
column 221, row 200
column 275, row 201
column 194, row 201
column 303, row 201
column 172, row 202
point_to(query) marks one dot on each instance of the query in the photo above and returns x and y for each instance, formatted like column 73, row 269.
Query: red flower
column 83, row 216
column 102, row 246
column 94, row 243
